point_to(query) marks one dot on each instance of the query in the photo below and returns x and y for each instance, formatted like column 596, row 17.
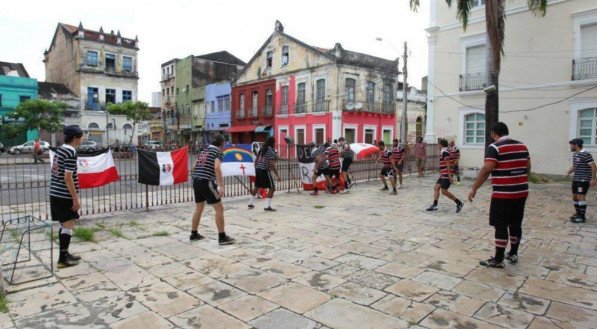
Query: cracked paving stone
column 455, row 302
column 523, row 302
column 37, row 300
column 165, row 300
column 441, row 319
column 504, row 316
column 406, row 309
column 572, row 314
column 342, row 314
column 146, row 320
column 207, row 317
column 282, row 318
column 412, row 290
column 357, row 293
column 248, row 308
column 319, row 281
column 295, row 297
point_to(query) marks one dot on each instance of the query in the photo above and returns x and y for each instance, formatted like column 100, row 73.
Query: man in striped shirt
column 265, row 161
column 333, row 157
column 389, row 167
column 399, row 154
column 445, row 177
column 64, row 188
column 455, row 157
column 347, row 158
column 321, row 167
column 208, row 185
column 584, row 170
column 509, row 164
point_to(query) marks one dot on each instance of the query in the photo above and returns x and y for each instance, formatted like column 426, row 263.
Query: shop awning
column 240, row 129
column 263, row 129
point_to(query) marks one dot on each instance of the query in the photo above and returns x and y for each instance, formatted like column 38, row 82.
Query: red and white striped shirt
column 333, row 157
column 444, row 157
column 509, row 178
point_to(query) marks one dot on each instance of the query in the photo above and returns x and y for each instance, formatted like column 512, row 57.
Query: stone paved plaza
column 360, row 260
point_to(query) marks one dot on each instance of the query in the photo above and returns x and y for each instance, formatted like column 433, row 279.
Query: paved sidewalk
column 360, row 260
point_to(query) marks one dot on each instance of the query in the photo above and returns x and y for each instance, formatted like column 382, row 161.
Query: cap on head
column 577, row 141
column 72, row 130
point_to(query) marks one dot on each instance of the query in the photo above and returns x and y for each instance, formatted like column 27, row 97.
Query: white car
column 27, row 148
column 153, row 145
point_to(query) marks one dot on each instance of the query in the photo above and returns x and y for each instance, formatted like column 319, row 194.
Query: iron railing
column 240, row 114
column 473, row 81
column 364, row 106
column 584, row 68
column 24, row 187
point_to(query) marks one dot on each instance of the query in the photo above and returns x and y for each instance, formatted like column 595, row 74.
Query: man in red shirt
column 37, row 152
column 509, row 164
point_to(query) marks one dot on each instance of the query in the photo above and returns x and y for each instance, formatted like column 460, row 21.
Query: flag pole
column 146, row 197
column 243, row 184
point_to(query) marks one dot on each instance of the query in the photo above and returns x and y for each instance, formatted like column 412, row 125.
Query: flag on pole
column 306, row 166
column 238, row 161
column 94, row 170
column 163, row 168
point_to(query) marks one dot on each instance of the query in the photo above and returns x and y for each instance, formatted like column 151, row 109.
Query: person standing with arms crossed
column 265, row 161
column 584, row 169
column 509, row 164
column 208, row 185
column 64, row 188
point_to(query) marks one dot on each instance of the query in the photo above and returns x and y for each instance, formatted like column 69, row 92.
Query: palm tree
column 495, row 13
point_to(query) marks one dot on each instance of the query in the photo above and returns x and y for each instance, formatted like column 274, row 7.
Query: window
column 586, row 126
column 93, row 125
column 110, row 126
column 177, row 91
column 300, row 98
column 127, row 63
column 220, row 104
column 269, row 59
column 110, row 96
column 186, row 89
column 92, row 99
column 320, row 96
column 127, row 95
column 350, row 85
column 319, row 132
column 172, row 90
column 163, row 92
column 477, row 3
column 474, row 132
column 585, row 67
column 474, row 77
column 92, row 58
column 369, row 135
column 300, row 136
column 254, row 103
column 127, row 128
column 387, row 136
column 110, row 62
column 241, row 106
column 285, row 57
column 0, row 100
column 268, row 101
column 284, row 99
column 24, row 99
column 350, row 135
column 226, row 105
column 370, row 93
column 388, row 93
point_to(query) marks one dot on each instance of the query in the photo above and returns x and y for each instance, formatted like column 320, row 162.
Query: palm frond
column 463, row 10
column 538, row 7
column 495, row 16
column 414, row 5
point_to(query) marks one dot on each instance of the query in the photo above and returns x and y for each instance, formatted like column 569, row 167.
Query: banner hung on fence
column 238, row 161
column 94, row 170
column 163, row 168
column 306, row 165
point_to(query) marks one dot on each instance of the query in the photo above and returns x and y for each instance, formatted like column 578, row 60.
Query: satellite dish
column 350, row 106
column 358, row 106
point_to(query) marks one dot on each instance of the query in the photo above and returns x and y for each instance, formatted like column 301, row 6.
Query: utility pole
column 404, row 118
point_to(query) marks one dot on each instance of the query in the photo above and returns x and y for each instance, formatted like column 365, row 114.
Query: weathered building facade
column 99, row 68
column 15, row 87
column 217, row 110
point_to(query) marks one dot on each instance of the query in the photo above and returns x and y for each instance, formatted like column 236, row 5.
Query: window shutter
column 475, row 59
column 588, row 41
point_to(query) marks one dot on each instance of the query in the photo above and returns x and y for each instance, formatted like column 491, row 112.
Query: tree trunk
column 132, row 135
column 491, row 97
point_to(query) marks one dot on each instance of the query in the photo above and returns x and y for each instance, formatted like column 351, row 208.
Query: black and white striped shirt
column 205, row 164
column 582, row 166
column 264, row 158
column 65, row 159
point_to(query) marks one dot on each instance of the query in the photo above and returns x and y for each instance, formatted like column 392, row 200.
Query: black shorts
column 444, row 183
column 325, row 172
column 334, row 172
column 580, row 187
column 456, row 170
column 387, row 172
column 61, row 211
column 346, row 162
column 400, row 166
column 263, row 179
column 506, row 212
column 206, row 191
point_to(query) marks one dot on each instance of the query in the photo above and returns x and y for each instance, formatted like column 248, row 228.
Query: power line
column 452, row 98
column 552, row 103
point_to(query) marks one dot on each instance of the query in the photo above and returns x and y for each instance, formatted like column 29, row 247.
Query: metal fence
column 24, row 186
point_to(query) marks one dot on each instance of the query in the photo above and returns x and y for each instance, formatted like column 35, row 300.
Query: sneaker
column 457, row 183
column 334, row 191
column 432, row 208
column 513, row 259
column 314, row 193
column 226, row 240
column 251, row 206
column 385, row 188
column 400, row 187
column 459, row 207
column 73, row 256
column 579, row 219
column 67, row 263
column 574, row 216
column 269, row 209
column 343, row 191
column 196, row 237
column 491, row 262
column 393, row 193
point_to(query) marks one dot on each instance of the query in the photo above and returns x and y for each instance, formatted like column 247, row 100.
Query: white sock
column 251, row 199
column 268, row 202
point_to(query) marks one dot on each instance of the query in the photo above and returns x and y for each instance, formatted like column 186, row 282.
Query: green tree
column 135, row 111
column 495, row 14
column 37, row 114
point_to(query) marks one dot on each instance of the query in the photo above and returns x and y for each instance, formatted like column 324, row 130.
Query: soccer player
column 208, row 185
column 389, row 167
column 421, row 155
column 347, row 158
column 333, row 157
column 264, row 163
column 64, row 189
column 584, row 170
column 509, row 164
column 399, row 154
column 321, row 167
column 455, row 157
column 445, row 178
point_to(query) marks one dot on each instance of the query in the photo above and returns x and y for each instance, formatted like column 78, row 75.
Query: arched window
column 110, row 125
column 127, row 127
column 586, row 126
column 93, row 125
column 474, row 128
column 269, row 99
column 284, row 90
column 320, row 104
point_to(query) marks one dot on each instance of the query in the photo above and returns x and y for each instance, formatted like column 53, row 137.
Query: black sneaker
column 73, row 257
column 393, row 193
column 579, row 219
column 385, row 188
column 196, row 237
column 573, row 216
column 432, row 208
column 512, row 259
column 67, row 263
column 491, row 262
column 459, row 207
column 226, row 240
column 251, row 206
column 269, row 209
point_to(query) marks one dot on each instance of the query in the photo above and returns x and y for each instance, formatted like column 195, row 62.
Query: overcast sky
column 178, row 28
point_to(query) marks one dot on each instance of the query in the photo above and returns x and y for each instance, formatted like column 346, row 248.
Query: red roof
column 239, row 129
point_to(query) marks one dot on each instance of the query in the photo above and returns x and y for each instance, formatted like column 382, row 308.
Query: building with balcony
column 168, row 102
column 252, row 116
column 318, row 93
column 547, row 84
column 15, row 87
column 99, row 68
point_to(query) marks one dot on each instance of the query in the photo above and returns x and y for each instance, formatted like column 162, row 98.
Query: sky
column 178, row 28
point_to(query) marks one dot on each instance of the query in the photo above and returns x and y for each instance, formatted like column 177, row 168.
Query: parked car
column 152, row 145
column 89, row 147
column 2, row 150
column 27, row 147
